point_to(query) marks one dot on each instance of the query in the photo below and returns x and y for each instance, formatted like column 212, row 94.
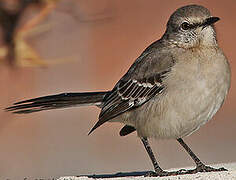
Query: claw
column 200, row 168
column 204, row 168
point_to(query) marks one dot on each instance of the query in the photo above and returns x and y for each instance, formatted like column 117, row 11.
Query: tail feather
column 63, row 100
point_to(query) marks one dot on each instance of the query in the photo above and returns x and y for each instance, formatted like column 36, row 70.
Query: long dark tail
column 57, row 101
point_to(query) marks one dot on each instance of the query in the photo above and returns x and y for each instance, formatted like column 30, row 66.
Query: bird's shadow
column 119, row 174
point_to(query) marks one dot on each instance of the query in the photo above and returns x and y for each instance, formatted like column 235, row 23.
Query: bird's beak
column 209, row 21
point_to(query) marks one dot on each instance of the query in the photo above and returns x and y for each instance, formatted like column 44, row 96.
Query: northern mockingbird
column 174, row 87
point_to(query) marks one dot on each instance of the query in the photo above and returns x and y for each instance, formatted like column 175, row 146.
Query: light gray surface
column 226, row 175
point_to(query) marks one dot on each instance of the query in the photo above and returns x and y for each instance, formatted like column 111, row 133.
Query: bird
column 175, row 86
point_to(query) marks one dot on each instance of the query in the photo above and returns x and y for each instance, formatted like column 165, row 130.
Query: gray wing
column 143, row 81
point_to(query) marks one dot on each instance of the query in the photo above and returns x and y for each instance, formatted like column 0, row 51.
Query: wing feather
column 128, row 95
column 142, row 82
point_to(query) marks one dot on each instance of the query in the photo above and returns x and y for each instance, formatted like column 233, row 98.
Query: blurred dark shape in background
column 11, row 13
column 15, row 50
column 103, row 38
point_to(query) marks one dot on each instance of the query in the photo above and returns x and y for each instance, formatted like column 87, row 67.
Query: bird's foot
column 204, row 168
column 199, row 168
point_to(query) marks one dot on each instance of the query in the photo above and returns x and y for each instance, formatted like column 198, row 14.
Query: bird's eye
column 185, row 26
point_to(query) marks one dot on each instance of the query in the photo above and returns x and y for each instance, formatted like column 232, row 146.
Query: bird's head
column 191, row 26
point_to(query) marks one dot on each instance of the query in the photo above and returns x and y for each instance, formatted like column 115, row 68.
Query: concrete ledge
column 226, row 175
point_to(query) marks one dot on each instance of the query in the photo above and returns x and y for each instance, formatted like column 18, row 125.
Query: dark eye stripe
column 189, row 26
column 195, row 25
column 185, row 26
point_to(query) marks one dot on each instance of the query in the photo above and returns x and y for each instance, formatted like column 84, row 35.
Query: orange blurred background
column 101, row 40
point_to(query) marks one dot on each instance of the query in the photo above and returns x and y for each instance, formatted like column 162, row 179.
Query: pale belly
column 189, row 101
column 175, row 117
column 180, row 110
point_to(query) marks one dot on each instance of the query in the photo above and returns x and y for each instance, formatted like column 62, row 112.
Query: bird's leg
column 157, row 168
column 200, row 167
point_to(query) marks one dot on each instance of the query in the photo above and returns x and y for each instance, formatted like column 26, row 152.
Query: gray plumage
column 176, row 85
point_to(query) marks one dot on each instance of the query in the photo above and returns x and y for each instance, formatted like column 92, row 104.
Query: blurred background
column 87, row 45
